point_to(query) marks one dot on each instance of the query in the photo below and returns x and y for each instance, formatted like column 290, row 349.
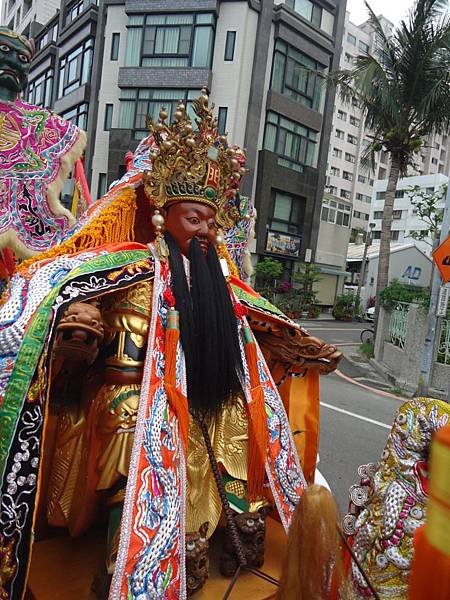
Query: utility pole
column 362, row 271
column 426, row 364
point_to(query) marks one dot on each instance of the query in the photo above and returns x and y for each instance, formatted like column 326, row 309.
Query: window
column 315, row 14
column 345, row 194
column 222, row 120
column 348, row 58
column 352, row 139
column 362, row 178
column 349, row 157
column 339, row 134
column 429, row 190
column 295, row 144
column 347, row 175
column 337, row 153
column 434, row 161
column 378, row 214
column 298, row 76
column 229, row 45
column 335, row 212
column 108, row 117
column 40, row 90
column 371, row 182
column 355, row 101
column 396, row 214
column 383, row 157
column 76, row 8
column 287, row 213
column 115, row 44
column 75, row 68
column 335, row 171
column 27, row 4
column 354, row 121
column 135, row 105
column 376, row 235
column 363, row 198
column 101, row 190
column 332, row 189
column 49, row 36
column 399, row 193
column 351, row 39
column 394, row 235
column 341, row 115
column 381, row 173
column 78, row 115
column 380, row 195
column 363, row 47
column 170, row 40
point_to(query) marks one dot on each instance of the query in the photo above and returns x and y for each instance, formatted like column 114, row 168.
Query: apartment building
column 405, row 217
column 27, row 16
column 108, row 66
column 346, row 178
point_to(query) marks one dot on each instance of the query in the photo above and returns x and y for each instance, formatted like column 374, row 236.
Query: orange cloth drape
column 301, row 397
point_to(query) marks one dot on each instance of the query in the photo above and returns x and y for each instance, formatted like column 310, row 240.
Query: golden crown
column 192, row 162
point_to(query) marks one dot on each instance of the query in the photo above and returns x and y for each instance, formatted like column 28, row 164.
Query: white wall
column 232, row 79
column 109, row 90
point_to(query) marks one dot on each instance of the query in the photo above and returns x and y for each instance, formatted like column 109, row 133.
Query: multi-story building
column 346, row 177
column 113, row 64
column 405, row 217
column 26, row 16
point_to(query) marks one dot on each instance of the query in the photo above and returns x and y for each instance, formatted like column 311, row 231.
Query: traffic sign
column 441, row 257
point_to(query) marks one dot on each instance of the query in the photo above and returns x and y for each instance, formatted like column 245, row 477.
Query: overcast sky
column 394, row 10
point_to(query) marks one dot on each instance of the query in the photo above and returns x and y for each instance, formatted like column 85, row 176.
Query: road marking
column 351, row 414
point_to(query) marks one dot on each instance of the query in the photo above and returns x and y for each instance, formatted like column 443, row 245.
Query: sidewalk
column 363, row 370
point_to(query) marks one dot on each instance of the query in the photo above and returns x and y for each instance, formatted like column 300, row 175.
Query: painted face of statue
column 15, row 60
column 188, row 220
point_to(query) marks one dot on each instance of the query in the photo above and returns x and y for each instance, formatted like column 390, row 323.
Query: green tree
column 428, row 211
column 404, row 93
column 267, row 271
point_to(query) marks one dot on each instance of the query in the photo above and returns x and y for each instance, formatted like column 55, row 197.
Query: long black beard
column 208, row 328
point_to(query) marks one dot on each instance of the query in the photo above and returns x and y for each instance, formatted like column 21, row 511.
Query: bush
column 313, row 311
column 343, row 307
column 401, row 292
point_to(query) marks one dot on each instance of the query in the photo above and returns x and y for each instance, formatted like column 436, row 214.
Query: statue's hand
column 79, row 333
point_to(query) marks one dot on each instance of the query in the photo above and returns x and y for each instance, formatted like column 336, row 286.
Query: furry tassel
column 177, row 400
column 258, row 432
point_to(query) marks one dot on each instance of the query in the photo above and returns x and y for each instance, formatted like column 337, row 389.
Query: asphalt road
column 349, row 440
column 336, row 332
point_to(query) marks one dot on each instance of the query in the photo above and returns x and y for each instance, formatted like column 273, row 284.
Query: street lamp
column 362, row 271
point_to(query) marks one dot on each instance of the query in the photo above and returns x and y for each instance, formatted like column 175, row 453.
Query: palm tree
column 404, row 92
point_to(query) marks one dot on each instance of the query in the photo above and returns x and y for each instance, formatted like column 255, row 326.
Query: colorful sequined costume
column 149, row 555
column 37, row 152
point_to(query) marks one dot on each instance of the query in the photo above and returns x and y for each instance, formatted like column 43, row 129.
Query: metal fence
column 398, row 324
column 443, row 355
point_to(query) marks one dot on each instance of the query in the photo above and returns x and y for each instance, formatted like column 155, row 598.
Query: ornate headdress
column 26, row 42
column 192, row 162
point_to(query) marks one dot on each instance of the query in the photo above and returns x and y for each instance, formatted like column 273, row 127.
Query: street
column 349, row 440
column 355, row 419
column 336, row 332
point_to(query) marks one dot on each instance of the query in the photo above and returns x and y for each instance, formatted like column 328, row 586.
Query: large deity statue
column 143, row 381
column 38, row 150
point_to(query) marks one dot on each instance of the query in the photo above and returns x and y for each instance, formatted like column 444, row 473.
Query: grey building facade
column 264, row 62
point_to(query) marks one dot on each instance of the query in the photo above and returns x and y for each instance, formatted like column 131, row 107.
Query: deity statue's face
column 188, row 220
column 15, row 60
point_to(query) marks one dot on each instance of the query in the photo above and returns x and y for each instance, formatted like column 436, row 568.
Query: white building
column 405, row 218
column 346, row 178
column 20, row 15
column 407, row 263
